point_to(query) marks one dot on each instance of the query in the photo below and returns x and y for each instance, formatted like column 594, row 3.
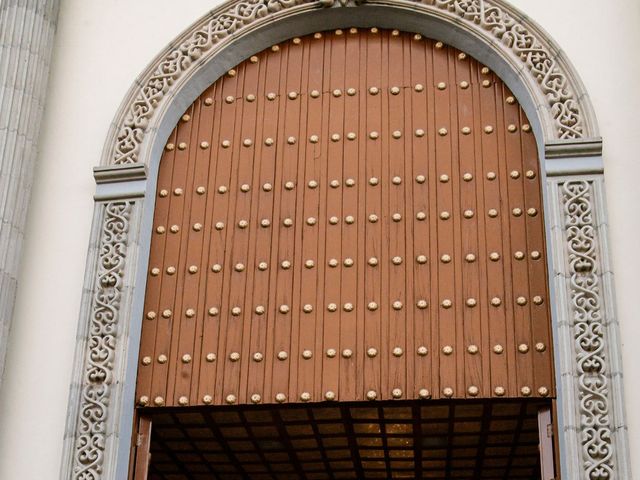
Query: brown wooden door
column 349, row 215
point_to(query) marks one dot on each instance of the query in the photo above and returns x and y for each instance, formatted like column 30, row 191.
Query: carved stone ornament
column 588, row 331
column 97, row 443
column 493, row 20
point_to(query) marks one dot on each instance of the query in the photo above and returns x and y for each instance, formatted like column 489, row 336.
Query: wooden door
column 352, row 215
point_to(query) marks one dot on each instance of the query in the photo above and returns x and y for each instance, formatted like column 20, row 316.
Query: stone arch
column 593, row 439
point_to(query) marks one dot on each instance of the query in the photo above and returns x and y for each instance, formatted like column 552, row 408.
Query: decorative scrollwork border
column 491, row 19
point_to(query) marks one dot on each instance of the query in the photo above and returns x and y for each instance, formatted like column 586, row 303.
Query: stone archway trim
column 592, row 426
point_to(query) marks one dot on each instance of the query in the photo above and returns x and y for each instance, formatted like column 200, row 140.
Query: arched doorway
column 351, row 216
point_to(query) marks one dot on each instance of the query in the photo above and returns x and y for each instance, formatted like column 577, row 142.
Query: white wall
column 100, row 48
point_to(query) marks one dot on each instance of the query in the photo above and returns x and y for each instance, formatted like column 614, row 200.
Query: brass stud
column 349, row 182
column 525, row 391
column 351, row 136
column 512, row 128
column 243, row 224
column 494, row 256
column 488, row 129
column 484, row 70
column 314, row 94
column 424, row 394
column 537, row 300
column 499, row 391
column 349, row 219
column 193, row 269
column 268, row 141
column 186, row 358
column 307, row 354
column 309, row 263
column 347, row 353
column 493, row 213
column 530, row 174
column 486, row 83
column 330, row 396
column 471, row 302
column 230, row 399
column 151, row 315
column 422, row 304
column 510, row 100
column 396, row 217
column 464, row 84
column 305, row 396
column 373, row 261
column 250, row 97
column 229, row 99
column 225, row 144
column 396, row 393
column 397, row 352
column 158, row 401
column 372, row 352
column 167, row 313
column 421, row 259
column 170, row 147
column 208, row 101
column 540, row 347
column 182, row 146
column 348, row 262
column 265, row 222
column 285, row 264
column 396, row 260
column 211, row 357
column 518, row 255
column 442, row 132
column 292, row 95
column 516, row 212
column 331, row 352
column 466, row 130
column 143, row 401
column 532, row 212
column 317, row 35
column 442, row 86
column 190, row 313
column 231, row 73
column 446, row 303
column 470, row 258
column 146, row 360
column 219, row 225
column 371, row 395
column 445, row 215
column 337, row 92
column 468, row 214
column 467, row 177
column 420, row 178
column 417, row 36
column 420, row 216
column 473, row 391
column 333, row 262
column 526, row 128
column 287, row 222
column 171, row 270
column 419, row 132
column 335, row 137
column 348, row 307
column 338, row 32
column 312, row 184
column 160, row 229
column 271, row 96
column 473, row 349
column 213, row 311
column 418, row 87
column 462, row 56
column 498, row 349
column 260, row 310
column 155, row 271
column 447, row 392
column 207, row 399
column 282, row 355
column 284, row 308
column 267, row 187
column 372, row 306
column 543, row 391
column 236, row 311
column 163, row 193
column 334, row 220
column 263, row 266
column 332, row 307
column 523, row 348
column 396, row 180
column 162, row 359
column 422, row 351
column 197, row 227
column 351, row 91
column 521, row 301
column 444, row 178
column 394, row 90
column 373, row 218
column 439, row 45
column 374, row 135
column 397, row 305
column 491, row 175
column 311, row 221
column 496, row 302
column 374, row 90
column 445, row 258
column 447, row 349
column 314, row 138
column 174, row 229
column 257, row 357
column 291, row 140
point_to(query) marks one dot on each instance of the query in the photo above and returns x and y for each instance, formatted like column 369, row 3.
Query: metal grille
column 471, row 439
column 346, row 216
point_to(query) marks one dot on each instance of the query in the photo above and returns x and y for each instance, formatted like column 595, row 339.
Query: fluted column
column 27, row 28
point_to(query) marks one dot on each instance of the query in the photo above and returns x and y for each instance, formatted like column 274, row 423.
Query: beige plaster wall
column 100, row 48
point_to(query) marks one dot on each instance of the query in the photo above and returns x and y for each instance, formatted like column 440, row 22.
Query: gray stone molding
column 593, row 440
column 27, row 28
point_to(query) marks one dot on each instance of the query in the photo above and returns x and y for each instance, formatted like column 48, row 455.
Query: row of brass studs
column 347, row 353
column 446, row 303
column 348, row 262
column 349, row 182
column 330, row 395
column 348, row 219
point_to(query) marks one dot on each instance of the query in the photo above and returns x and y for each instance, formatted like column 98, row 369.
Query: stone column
column 27, row 28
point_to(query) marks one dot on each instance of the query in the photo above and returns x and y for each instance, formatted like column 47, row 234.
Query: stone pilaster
column 27, row 28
